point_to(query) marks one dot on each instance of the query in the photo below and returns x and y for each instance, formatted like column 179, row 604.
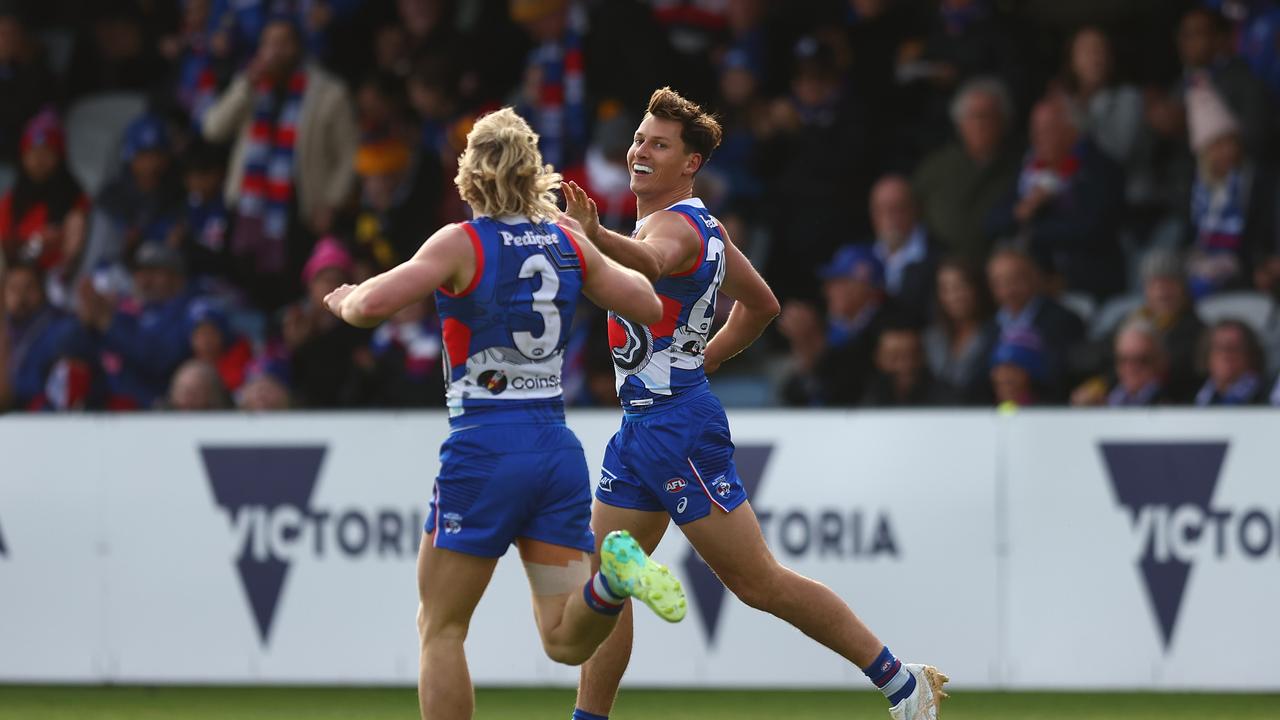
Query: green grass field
column 132, row 703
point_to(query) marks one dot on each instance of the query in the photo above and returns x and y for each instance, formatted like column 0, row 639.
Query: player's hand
column 333, row 301
column 579, row 206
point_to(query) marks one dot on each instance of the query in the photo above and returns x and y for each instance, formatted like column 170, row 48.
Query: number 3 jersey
column 660, row 361
column 505, row 333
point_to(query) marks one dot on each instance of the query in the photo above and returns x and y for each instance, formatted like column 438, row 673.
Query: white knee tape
column 558, row 579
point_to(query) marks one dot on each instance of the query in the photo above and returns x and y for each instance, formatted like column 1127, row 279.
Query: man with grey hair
column 1141, row 367
column 959, row 185
column 1167, row 306
column 1067, row 206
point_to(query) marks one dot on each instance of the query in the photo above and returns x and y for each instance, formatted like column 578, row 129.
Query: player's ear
column 693, row 162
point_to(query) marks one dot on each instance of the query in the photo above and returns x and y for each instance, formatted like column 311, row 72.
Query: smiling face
column 657, row 160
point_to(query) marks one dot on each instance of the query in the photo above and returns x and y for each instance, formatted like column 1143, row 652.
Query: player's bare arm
column 613, row 287
column 755, row 306
column 446, row 257
column 665, row 245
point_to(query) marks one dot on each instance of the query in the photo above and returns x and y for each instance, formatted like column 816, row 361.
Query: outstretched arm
column 665, row 245
column 446, row 257
column 614, row 287
column 754, row 309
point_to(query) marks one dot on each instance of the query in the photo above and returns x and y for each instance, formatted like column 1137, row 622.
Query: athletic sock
column 581, row 714
column 895, row 681
column 600, row 597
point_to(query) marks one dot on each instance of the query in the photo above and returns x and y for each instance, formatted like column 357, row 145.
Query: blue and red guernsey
column 660, row 361
column 505, row 334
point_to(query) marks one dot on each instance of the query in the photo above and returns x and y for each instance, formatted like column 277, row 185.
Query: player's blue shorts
column 676, row 456
column 505, row 481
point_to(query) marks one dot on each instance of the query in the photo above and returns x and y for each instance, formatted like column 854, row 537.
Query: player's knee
column 756, row 590
column 437, row 630
column 566, row 654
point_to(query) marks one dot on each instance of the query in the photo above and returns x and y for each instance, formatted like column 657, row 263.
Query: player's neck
column 647, row 205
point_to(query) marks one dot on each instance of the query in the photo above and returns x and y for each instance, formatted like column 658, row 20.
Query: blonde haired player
column 506, row 286
column 674, row 427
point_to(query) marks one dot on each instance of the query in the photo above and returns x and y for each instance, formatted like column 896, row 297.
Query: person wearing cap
column 143, row 203
column 392, row 212
column 833, row 363
column 213, row 341
column 291, row 165
column 1019, row 369
column 142, row 339
column 42, row 219
column 325, row 353
column 1233, row 198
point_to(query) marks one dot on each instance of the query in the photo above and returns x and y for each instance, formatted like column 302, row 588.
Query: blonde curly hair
column 501, row 172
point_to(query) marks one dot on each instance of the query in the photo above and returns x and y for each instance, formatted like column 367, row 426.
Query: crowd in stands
column 958, row 202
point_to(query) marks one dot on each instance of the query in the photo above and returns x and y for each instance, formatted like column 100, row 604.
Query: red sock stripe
column 890, row 674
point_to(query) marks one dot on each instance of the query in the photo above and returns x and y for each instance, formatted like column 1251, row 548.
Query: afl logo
column 675, row 485
column 630, row 344
column 495, row 381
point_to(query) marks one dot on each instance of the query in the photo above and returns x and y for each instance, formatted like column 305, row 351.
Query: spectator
column 42, row 219
column 1141, row 371
column 1205, row 47
column 325, row 353
column 197, row 387
column 140, row 341
column 959, row 185
column 1067, row 205
column 143, row 203
column 902, row 377
column 607, row 178
column 435, row 96
column 201, row 64
column 35, row 336
column 959, row 342
column 902, row 247
column 291, row 166
column 214, row 343
column 1019, row 369
column 963, row 42
column 1111, row 113
column 1233, row 199
column 25, row 83
column 407, row 352
column 1022, row 306
column 393, row 216
column 205, row 224
column 817, row 154
column 741, row 106
column 832, row 364
column 266, row 389
column 1235, row 363
column 1167, row 306
column 117, row 54
column 553, row 94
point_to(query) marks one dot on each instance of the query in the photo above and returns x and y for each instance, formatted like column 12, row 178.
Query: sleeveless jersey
column 656, row 362
column 505, row 334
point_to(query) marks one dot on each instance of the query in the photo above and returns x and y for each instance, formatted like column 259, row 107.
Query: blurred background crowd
column 959, row 202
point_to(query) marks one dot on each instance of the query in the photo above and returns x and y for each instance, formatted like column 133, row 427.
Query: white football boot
column 923, row 702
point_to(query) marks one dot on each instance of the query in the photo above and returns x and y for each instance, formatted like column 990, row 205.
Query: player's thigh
column 646, row 526
column 733, row 546
column 450, row 585
column 555, row 573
